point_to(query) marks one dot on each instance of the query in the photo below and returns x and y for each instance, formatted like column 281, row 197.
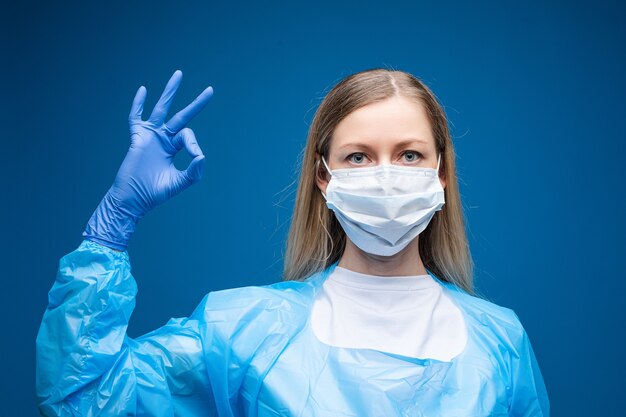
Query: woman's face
column 392, row 131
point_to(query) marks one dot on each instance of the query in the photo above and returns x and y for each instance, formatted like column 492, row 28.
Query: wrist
column 110, row 224
column 108, row 244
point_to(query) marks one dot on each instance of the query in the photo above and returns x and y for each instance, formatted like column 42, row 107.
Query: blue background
column 534, row 92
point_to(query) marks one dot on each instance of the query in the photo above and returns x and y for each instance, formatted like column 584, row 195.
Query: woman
column 376, row 314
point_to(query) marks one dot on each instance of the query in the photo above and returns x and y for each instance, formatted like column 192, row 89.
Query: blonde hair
column 316, row 239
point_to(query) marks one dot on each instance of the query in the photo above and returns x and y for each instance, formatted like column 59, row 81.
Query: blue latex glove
column 147, row 176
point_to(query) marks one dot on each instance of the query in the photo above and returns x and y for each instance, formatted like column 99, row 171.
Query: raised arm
column 86, row 364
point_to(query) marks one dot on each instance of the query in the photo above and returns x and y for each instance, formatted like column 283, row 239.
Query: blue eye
column 356, row 158
column 411, row 156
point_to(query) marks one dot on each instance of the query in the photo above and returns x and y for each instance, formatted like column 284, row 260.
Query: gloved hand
column 147, row 176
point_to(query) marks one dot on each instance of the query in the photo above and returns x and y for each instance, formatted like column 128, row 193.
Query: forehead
column 385, row 122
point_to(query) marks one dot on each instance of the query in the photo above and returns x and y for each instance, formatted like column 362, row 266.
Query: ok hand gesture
column 147, row 176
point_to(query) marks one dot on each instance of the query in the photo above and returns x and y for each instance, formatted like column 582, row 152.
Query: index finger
column 180, row 119
column 136, row 110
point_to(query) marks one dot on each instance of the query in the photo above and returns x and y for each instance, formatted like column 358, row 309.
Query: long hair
column 316, row 239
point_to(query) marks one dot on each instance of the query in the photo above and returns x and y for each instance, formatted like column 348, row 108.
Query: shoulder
column 488, row 315
column 282, row 301
column 500, row 333
column 239, row 322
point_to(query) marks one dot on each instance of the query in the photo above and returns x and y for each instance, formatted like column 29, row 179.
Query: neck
column 405, row 262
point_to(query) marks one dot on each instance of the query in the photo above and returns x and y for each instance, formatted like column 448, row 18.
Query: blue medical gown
column 251, row 352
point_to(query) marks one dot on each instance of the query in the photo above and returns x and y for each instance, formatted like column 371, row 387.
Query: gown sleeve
column 529, row 396
column 86, row 363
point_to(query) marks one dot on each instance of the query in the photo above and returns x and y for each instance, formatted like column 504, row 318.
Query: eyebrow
column 398, row 145
column 411, row 140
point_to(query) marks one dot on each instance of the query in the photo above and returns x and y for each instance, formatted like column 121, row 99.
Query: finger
column 187, row 138
column 180, row 119
column 165, row 101
column 136, row 110
column 195, row 169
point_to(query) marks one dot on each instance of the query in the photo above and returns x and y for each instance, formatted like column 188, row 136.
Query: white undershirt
column 406, row 315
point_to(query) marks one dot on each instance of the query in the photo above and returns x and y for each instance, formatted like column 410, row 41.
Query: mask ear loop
column 327, row 168
column 438, row 161
column 319, row 216
column 331, row 174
